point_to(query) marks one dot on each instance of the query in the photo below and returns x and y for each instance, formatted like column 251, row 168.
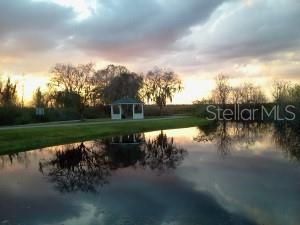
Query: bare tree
column 252, row 94
column 236, row 95
column 259, row 96
column 281, row 91
column 73, row 81
column 222, row 91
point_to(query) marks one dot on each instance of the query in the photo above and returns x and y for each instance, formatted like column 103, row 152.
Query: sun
column 194, row 89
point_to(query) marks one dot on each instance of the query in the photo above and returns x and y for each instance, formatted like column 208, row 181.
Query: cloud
column 115, row 30
column 27, row 26
column 128, row 29
column 242, row 31
column 195, row 37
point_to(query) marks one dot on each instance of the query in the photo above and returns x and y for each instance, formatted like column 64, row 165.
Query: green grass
column 22, row 139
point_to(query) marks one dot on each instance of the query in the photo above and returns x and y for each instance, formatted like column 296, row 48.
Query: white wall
column 116, row 116
column 138, row 116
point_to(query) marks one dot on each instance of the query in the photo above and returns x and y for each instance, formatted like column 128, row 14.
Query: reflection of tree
column 10, row 159
column 227, row 135
column 87, row 167
column 162, row 154
column 224, row 140
column 77, row 168
column 287, row 137
column 218, row 134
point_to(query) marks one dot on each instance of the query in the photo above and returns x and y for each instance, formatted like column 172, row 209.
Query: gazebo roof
column 126, row 100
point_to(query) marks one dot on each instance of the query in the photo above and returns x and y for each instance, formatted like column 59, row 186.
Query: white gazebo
column 127, row 108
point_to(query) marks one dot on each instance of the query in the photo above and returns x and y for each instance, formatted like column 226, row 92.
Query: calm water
column 231, row 174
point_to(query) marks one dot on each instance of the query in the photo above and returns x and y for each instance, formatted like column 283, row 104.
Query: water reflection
column 228, row 137
column 161, row 154
column 152, row 179
column 77, row 168
column 288, row 139
column 11, row 159
column 87, row 167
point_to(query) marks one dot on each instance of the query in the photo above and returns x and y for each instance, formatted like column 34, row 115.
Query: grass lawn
column 22, row 139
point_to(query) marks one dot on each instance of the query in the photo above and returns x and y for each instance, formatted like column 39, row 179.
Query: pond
column 225, row 174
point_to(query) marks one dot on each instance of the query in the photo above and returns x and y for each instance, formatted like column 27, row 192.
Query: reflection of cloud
column 156, row 202
column 205, row 187
column 87, row 215
column 262, row 187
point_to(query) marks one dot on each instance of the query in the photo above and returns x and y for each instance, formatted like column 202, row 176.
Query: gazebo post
column 111, row 111
column 133, row 111
column 120, row 111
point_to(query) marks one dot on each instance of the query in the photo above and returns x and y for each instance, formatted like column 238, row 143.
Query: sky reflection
column 253, row 183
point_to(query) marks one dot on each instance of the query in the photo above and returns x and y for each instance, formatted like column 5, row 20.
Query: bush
column 201, row 111
column 52, row 114
column 169, row 110
column 26, row 115
column 96, row 112
column 8, row 115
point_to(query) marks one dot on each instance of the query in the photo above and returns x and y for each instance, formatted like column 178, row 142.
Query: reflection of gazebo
column 127, row 108
column 126, row 150
column 129, row 139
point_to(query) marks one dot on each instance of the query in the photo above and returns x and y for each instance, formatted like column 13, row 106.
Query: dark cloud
column 117, row 29
column 136, row 28
column 27, row 26
column 258, row 30
column 189, row 35
column 20, row 15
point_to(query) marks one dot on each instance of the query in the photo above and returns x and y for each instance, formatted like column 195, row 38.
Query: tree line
column 249, row 93
column 249, row 96
column 81, row 86
column 224, row 93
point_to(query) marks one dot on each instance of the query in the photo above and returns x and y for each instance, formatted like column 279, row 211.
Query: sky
column 250, row 40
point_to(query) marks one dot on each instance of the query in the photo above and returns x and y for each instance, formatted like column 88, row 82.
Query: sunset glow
column 158, row 112
column 250, row 40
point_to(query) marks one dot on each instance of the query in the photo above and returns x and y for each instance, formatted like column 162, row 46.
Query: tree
column 70, row 81
column 39, row 98
column 64, row 99
column 258, row 96
column 160, row 86
column 104, row 76
column 123, row 85
column 281, row 91
column 295, row 93
column 114, row 82
column 222, row 90
column 236, row 95
column 8, row 94
column 252, row 94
